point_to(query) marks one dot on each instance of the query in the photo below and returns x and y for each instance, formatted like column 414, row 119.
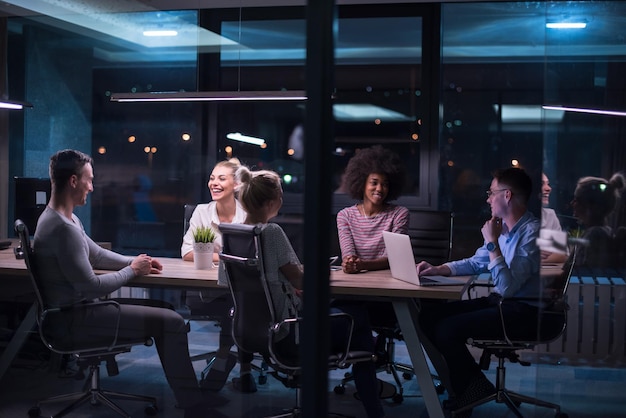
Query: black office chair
column 209, row 305
column 551, row 325
column 89, row 354
column 203, row 306
column 255, row 323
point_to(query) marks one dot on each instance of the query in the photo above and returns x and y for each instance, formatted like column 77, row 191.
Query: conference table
column 179, row 274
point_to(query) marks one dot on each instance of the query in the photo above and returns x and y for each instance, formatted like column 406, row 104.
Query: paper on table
column 553, row 241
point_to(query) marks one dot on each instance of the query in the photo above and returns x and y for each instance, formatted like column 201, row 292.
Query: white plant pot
column 203, row 255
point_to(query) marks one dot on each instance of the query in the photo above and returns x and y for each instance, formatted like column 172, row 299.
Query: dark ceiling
column 498, row 31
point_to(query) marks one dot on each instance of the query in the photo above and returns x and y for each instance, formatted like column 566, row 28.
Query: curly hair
column 377, row 160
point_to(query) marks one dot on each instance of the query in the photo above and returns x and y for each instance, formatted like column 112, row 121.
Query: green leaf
column 203, row 234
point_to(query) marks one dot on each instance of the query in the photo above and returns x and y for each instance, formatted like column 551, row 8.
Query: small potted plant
column 203, row 238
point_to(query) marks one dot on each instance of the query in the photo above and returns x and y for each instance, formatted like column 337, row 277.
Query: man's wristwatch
column 491, row 246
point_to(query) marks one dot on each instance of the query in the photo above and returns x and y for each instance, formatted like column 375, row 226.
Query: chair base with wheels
column 386, row 362
column 92, row 391
column 255, row 319
column 502, row 395
column 551, row 323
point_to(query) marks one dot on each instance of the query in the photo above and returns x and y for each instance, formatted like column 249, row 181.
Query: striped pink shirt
column 363, row 236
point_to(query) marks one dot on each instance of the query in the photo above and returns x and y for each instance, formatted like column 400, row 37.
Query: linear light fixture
column 160, row 32
column 566, row 25
column 236, row 136
column 366, row 112
column 14, row 105
column 511, row 113
column 583, row 110
column 211, row 96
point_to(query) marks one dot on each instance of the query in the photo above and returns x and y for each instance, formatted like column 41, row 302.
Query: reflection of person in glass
column 549, row 220
column 594, row 200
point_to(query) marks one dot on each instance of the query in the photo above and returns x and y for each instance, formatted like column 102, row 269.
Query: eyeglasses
column 492, row 192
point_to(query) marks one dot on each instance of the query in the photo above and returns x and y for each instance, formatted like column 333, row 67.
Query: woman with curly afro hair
column 375, row 176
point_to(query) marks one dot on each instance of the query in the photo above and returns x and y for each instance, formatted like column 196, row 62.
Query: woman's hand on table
column 351, row 264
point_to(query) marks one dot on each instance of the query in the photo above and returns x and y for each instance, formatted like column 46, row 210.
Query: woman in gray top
column 261, row 196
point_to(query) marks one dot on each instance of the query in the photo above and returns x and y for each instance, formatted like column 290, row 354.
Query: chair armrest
column 106, row 343
column 555, row 306
column 475, row 284
column 341, row 358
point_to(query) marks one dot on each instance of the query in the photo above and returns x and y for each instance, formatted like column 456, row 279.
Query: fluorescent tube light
column 160, row 33
column 236, row 136
column 11, row 104
column 566, row 25
column 210, row 96
column 583, row 110
column 367, row 112
column 526, row 114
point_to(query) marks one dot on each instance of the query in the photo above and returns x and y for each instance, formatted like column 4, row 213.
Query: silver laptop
column 402, row 263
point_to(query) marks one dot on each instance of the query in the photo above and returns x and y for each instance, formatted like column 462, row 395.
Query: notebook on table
column 402, row 263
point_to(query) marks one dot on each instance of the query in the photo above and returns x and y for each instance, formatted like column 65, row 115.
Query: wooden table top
column 179, row 273
column 182, row 274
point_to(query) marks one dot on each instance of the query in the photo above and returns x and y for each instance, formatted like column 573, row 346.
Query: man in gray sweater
column 67, row 258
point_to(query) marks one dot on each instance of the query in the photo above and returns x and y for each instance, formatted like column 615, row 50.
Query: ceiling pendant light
column 211, row 96
column 13, row 105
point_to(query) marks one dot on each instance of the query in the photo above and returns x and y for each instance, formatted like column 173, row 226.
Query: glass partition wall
column 540, row 85
column 456, row 97
column 152, row 158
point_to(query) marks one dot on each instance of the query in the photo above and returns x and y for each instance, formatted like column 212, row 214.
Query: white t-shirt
column 549, row 220
column 205, row 214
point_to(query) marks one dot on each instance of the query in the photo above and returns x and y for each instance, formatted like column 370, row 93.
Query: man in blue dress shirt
column 511, row 255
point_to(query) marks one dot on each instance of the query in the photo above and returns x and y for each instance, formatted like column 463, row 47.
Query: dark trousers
column 364, row 372
column 449, row 325
column 138, row 321
column 217, row 305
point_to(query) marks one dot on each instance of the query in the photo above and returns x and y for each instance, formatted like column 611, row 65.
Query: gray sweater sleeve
column 67, row 257
column 78, row 257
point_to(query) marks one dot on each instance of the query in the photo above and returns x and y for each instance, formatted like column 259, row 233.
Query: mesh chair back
column 554, row 315
column 243, row 261
column 29, row 258
column 44, row 315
